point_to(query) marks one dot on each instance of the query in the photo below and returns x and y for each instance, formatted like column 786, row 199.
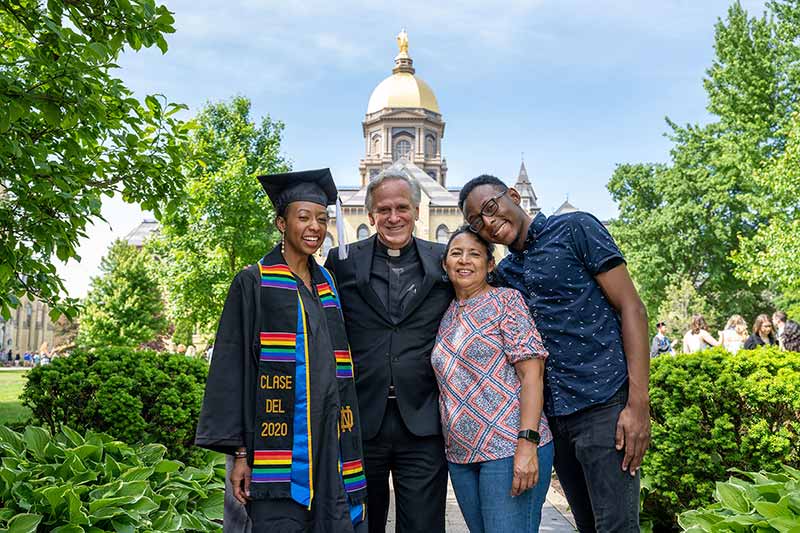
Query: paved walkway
column 553, row 521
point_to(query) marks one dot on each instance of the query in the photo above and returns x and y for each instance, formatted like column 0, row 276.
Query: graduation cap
column 315, row 186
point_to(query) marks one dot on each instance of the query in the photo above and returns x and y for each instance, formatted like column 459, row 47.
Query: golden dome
column 402, row 89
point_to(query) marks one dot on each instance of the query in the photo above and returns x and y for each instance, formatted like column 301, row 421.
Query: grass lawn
column 11, row 410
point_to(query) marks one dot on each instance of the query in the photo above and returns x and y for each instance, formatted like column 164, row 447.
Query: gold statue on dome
column 402, row 41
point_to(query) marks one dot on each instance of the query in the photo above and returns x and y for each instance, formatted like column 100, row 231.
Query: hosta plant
column 756, row 501
column 72, row 483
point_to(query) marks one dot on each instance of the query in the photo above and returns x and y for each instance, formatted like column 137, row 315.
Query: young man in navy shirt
column 594, row 326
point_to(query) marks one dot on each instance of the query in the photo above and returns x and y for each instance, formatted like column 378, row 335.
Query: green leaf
column 77, row 513
column 167, row 466
column 98, row 50
column 12, row 439
column 68, row 528
column 771, row 510
column 52, row 113
column 137, row 473
column 784, row 524
column 24, row 523
column 212, row 507
column 732, row 497
column 74, row 437
column 36, row 440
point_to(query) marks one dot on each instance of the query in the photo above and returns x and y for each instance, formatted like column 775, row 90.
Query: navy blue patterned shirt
column 556, row 272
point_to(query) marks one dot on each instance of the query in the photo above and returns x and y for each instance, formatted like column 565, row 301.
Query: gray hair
column 393, row 174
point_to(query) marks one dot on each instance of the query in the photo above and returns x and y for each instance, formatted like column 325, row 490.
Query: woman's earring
column 445, row 278
column 490, row 277
column 283, row 244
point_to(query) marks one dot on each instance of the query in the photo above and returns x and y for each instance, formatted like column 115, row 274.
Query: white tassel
column 340, row 236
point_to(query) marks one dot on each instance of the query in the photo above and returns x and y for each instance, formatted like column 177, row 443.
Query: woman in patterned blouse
column 489, row 363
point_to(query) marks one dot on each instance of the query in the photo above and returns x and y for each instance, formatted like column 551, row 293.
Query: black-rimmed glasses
column 488, row 209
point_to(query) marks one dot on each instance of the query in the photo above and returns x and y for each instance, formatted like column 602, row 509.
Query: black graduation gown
column 226, row 419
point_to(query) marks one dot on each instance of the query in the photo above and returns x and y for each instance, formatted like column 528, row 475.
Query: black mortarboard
column 305, row 186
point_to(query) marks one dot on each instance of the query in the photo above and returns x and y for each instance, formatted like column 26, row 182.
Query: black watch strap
column 531, row 435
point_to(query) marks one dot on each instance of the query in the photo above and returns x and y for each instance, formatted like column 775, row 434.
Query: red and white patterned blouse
column 478, row 343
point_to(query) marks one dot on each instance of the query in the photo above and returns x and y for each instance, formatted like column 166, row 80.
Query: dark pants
column 419, row 475
column 602, row 497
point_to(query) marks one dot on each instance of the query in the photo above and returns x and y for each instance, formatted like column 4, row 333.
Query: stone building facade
column 28, row 329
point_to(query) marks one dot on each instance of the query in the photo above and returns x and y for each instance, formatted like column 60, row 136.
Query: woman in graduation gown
column 280, row 395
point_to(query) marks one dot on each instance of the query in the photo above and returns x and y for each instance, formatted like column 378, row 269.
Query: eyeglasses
column 488, row 209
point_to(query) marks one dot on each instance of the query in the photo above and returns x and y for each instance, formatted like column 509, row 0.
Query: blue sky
column 578, row 86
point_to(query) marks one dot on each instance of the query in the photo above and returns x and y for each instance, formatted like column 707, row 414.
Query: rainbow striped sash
column 344, row 364
column 283, row 460
column 278, row 347
column 272, row 466
column 277, row 277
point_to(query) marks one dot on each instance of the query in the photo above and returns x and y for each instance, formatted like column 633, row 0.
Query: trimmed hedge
column 713, row 411
column 71, row 483
column 137, row 396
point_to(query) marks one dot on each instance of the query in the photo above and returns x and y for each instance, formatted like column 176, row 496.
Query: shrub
column 133, row 395
column 713, row 411
column 766, row 502
column 72, row 483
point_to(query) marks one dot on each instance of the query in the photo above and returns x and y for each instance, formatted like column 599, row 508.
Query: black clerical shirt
column 396, row 279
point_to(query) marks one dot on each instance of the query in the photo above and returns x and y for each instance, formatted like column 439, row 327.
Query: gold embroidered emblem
column 346, row 419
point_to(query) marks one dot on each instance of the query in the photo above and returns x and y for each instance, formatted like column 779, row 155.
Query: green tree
column 681, row 301
column 683, row 220
column 124, row 306
column 769, row 256
column 71, row 132
column 225, row 220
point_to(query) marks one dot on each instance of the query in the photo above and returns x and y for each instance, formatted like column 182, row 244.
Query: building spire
column 403, row 61
column 523, row 173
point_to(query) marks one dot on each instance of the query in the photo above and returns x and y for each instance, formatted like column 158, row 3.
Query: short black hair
column 465, row 229
column 483, row 179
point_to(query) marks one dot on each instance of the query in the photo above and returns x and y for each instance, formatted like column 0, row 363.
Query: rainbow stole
column 282, row 442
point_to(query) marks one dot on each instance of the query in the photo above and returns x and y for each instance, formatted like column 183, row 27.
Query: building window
column 376, row 144
column 362, row 232
column 442, row 234
column 430, row 146
column 373, row 173
column 402, row 148
column 327, row 244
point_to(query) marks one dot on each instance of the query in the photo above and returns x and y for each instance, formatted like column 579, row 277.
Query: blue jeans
column 483, row 491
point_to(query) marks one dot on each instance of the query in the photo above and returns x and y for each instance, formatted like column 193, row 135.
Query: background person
column 762, row 334
column 734, row 335
column 280, row 396
column 791, row 336
column 487, row 342
column 698, row 338
column 661, row 343
column 779, row 323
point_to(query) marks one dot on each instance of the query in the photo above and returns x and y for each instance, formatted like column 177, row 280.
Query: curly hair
column 791, row 336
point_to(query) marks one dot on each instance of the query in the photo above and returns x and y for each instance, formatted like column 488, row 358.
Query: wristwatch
column 531, row 435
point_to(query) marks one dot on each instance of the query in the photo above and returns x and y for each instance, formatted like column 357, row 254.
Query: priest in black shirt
column 393, row 296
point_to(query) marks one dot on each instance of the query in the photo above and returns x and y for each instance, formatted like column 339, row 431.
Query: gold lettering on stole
column 346, row 419
column 275, row 382
column 274, row 406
